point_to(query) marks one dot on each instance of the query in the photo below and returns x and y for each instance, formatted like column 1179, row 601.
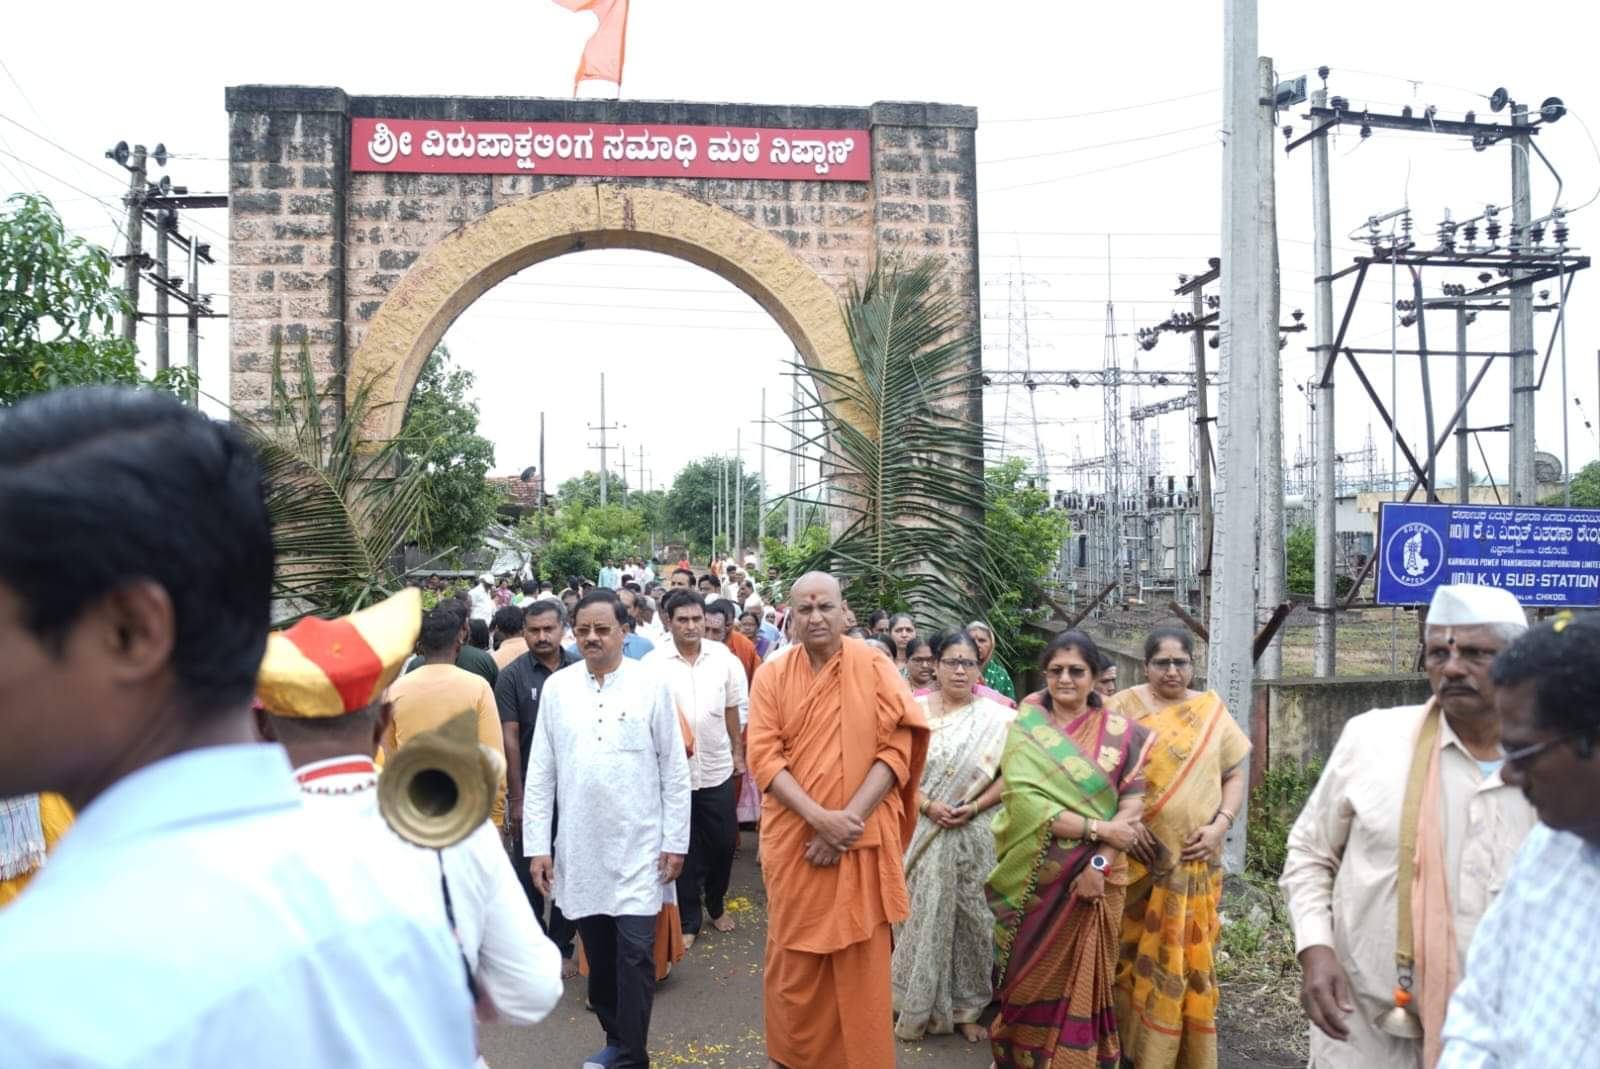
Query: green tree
column 1585, row 488
column 58, row 310
column 1300, row 562
column 338, row 521
column 692, row 501
column 1022, row 542
column 585, row 490
column 441, row 438
column 904, row 461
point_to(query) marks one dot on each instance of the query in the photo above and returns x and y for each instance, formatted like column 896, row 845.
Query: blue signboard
column 1545, row 556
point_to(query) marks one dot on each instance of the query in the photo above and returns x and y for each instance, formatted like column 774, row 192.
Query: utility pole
column 194, row 322
column 604, row 447
column 135, row 251
column 1269, row 483
column 1327, row 495
column 1523, row 488
column 163, row 281
column 1230, row 666
column 624, row 451
column 738, row 493
column 1202, row 430
column 761, row 519
column 792, row 511
column 544, row 474
column 1463, row 473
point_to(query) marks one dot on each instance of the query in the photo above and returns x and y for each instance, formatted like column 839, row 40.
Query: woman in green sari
column 1074, row 791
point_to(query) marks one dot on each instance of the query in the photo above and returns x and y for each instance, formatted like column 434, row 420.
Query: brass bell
column 1399, row 1021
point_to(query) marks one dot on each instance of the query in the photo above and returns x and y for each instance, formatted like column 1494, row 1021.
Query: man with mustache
column 607, row 749
column 1528, row 997
column 516, row 694
column 1426, row 775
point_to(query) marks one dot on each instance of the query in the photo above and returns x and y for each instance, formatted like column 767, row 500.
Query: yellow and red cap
column 321, row 668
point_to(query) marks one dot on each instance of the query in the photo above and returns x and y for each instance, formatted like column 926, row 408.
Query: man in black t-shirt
column 516, row 692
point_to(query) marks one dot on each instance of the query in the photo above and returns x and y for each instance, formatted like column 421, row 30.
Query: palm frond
column 340, row 504
column 902, row 461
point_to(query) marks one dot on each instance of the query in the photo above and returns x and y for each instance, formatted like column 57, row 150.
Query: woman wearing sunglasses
column 1166, row 992
column 944, row 952
column 1074, row 790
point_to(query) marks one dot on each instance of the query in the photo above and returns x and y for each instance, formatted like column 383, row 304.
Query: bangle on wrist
column 1225, row 815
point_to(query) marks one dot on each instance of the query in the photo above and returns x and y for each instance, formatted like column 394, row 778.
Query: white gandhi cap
column 1466, row 604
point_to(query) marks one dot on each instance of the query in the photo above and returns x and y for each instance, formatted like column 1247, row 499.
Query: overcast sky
column 1099, row 173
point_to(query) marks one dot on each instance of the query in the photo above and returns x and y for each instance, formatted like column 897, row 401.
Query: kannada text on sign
column 409, row 146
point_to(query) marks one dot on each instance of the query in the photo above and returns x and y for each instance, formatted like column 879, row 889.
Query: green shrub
column 1274, row 805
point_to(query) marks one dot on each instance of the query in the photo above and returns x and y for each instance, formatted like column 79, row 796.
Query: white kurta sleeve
column 1315, row 847
column 518, row 965
column 673, row 764
column 539, row 790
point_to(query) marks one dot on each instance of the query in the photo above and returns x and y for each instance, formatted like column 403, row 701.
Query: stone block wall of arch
column 315, row 250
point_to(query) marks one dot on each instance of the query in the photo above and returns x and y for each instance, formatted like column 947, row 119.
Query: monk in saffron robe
column 836, row 745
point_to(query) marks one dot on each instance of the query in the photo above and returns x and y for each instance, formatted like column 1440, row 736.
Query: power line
column 1103, row 144
column 62, row 148
column 1100, row 170
column 1104, row 111
column 117, row 208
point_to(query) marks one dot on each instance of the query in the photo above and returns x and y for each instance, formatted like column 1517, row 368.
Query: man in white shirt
column 480, row 599
column 645, row 611
column 329, row 712
column 196, row 914
column 1344, row 859
column 708, row 686
column 608, row 750
column 1528, row 999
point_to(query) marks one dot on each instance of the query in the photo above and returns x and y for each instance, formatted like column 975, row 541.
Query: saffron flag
column 602, row 56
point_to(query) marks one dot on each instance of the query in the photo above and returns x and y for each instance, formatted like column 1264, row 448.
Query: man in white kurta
column 608, row 751
column 1340, row 877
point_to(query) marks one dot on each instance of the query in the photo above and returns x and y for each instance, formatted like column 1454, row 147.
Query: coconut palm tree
column 902, row 458
column 340, row 504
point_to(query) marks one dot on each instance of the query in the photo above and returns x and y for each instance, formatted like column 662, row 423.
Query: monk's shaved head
column 822, row 581
column 817, row 606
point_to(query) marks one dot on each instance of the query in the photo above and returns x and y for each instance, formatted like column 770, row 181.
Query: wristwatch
column 1099, row 863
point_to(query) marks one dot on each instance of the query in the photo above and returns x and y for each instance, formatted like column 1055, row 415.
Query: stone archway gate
column 362, row 226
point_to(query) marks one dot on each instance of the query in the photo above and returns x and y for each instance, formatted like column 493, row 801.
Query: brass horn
column 440, row 786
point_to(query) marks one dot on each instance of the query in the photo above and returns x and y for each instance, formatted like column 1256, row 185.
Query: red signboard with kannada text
column 424, row 146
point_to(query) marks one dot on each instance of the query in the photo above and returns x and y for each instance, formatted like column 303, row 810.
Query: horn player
column 321, row 694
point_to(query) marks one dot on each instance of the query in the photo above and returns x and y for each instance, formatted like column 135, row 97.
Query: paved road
column 708, row 1012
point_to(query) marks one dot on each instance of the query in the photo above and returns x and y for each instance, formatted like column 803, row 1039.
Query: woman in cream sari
column 943, row 953
column 1166, row 993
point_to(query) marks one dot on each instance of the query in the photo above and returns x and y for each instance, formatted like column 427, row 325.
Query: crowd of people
column 1041, row 877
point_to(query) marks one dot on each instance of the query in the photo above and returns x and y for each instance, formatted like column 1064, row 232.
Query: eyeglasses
column 1166, row 664
column 597, row 630
column 1076, row 671
column 965, row 664
column 921, row 660
column 1525, row 756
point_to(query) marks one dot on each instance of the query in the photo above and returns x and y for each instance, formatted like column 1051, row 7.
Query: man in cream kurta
column 1341, row 874
column 608, row 751
column 708, row 685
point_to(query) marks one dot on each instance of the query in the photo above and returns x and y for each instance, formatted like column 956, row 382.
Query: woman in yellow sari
column 1166, row 992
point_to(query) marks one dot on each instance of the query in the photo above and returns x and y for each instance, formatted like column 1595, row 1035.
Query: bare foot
column 569, row 968
column 723, row 923
column 688, row 940
column 973, row 1033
